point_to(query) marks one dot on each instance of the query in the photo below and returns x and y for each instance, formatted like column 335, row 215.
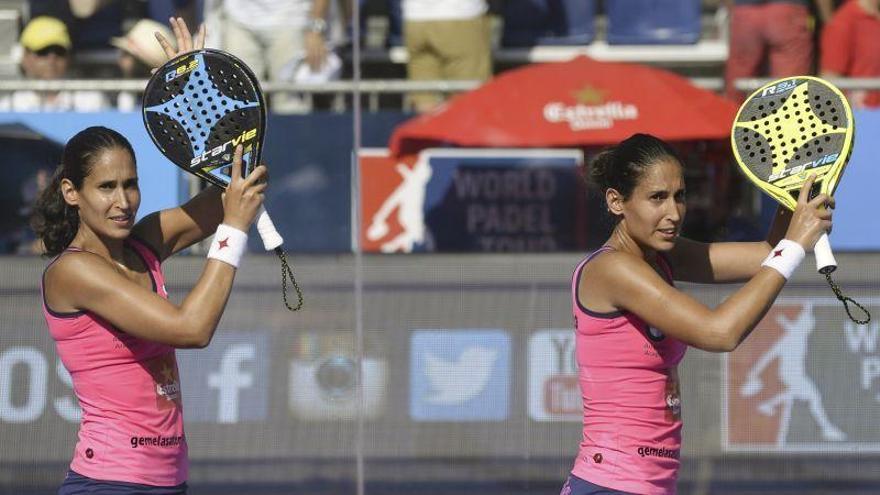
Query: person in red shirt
column 851, row 47
column 776, row 34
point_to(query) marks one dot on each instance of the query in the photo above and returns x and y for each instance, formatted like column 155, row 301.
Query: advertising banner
column 806, row 380
column 473, row 200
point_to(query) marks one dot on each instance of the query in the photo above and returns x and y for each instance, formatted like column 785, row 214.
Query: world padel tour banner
column 483, row 200
column 807, row 379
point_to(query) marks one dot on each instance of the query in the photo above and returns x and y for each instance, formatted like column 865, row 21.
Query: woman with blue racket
column 106, row 307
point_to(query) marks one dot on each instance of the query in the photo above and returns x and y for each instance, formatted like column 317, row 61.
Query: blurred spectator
column 770, row 38
column 91, row 22
column 46, row 48
column 851, row 47
column 161, row 10
column 275, row 38
column 25, row 240
column 445, row 39
column 139, row 53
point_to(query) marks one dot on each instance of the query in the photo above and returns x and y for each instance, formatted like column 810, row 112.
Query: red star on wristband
column 778, row 252
column 222, row 244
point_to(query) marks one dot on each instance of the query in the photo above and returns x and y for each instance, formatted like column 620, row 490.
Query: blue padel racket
column 787, row 130
column 197, row 108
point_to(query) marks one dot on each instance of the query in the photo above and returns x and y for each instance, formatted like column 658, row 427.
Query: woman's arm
column 172, row 230
column 722, row 262
column 628, row 283
column 624, row 281
column 88, row 282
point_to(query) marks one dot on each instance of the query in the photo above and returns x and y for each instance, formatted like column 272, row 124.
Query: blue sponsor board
column 854, row 217
column 32, row 146
column 459, row 375
column 855, row 221
column 228, row 381
column 309, row 156
column 506, row 201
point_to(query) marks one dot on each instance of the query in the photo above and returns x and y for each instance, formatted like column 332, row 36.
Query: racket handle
column 271, row 238
column 825, row 262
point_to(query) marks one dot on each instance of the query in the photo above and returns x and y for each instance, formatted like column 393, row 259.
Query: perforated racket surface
column 792, row 128
column 197, row 108
column 786, row 131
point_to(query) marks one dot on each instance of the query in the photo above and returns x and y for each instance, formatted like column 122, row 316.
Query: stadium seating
column 653, row 22
column 548, row 22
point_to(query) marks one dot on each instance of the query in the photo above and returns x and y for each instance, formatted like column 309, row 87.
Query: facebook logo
column 228, row 381
column 459, row 375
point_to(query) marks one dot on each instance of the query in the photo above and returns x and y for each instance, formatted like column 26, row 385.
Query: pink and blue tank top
column 631, row 402
column 129, row 392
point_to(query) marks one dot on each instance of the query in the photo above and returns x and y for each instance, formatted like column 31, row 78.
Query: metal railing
column 371, row 89
column 844, row 83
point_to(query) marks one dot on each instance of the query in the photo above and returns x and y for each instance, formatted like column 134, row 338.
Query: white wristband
column 785, row 257
column 228, row 245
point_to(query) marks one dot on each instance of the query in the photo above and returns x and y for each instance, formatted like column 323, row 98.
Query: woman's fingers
column 165, row 44
column 258, row 174
column 199, row 42
column 804, row 193
column 175, row 28
column 184, row 42
column 819, row 200
column 236, row 165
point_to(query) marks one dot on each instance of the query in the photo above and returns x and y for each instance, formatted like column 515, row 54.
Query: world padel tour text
column 508, row 210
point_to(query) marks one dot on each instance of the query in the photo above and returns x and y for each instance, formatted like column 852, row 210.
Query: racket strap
column 286, row 273
column 846, row 300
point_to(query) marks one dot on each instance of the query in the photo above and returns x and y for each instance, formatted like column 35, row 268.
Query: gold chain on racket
column 285, row 273
column 846, row 300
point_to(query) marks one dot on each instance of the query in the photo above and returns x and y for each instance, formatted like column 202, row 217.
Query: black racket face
column 789, row 129
column 198, row 107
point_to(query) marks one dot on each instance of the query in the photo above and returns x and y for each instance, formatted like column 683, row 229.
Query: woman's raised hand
column 185, row 41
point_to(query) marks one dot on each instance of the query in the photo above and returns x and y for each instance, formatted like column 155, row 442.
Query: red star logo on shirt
column 223, row 243
column 778, row 252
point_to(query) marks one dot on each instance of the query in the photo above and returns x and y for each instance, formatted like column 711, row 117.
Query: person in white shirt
column 274, row 37
column 46, row 47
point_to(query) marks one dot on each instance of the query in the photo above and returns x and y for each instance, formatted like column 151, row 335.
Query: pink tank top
column 129, row 392
column 632, row 407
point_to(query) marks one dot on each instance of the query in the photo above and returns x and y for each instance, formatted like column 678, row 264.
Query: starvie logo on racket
column 227, row 147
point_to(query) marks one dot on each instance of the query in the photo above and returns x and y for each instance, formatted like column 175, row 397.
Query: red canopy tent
column 579, row 103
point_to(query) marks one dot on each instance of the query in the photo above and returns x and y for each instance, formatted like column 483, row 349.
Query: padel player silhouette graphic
column 409, row 201
column 791, row 350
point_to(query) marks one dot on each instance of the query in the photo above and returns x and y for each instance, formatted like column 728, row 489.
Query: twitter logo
column 459, row 375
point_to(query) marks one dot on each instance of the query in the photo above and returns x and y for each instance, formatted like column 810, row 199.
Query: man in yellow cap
column 46, row 48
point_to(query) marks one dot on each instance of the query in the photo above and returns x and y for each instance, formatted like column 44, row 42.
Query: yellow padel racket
column 787, row 130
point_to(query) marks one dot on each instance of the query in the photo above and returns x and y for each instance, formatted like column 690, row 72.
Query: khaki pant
column 459, row 49
column 266, row 53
